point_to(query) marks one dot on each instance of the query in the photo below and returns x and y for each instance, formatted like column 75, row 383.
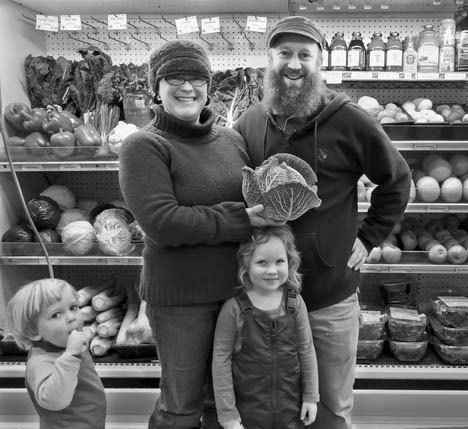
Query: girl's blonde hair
column 24, row 307
column 261, row 236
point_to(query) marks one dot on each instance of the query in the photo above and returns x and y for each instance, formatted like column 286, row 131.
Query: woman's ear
column 36, row 338
column 157, row 99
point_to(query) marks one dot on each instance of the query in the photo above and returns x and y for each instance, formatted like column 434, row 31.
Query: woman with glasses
column 181, row 178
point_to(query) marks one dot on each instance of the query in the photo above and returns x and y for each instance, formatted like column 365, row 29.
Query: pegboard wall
column 231, row 48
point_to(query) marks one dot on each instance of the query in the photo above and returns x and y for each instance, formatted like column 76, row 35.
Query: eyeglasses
column 178, row 81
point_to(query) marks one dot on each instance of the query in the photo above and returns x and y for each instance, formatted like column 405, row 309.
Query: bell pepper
column 15, row 141
column 56, row 121
column 87, row 135
column 15, row 114
column 74, row 120
column 34, row 119
column 63, row 143
column 36, row 139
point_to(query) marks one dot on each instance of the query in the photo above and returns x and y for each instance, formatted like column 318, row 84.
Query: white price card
column 117, row 21
column 352, row 6
column 384, row 6
column 334, row 77
column 47, row 23
column 337, row 7
column 70, row 22
column 256, row 23
column 186, row 25
column 367, row 6
column 210, row 25
column 369, row 316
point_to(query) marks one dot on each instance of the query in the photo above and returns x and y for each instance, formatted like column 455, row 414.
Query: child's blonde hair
column 24, row 307
column 261, row 236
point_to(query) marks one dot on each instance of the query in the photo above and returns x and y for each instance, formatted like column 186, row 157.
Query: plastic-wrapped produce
column 409, row 351
column 406, row 324
column 454, row 355
column 370, row 349
column 448, row 335
column 451, row 310
column 395, row 292
column 371, row 324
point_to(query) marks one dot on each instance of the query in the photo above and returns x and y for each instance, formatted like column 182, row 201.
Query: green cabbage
column 284, row 184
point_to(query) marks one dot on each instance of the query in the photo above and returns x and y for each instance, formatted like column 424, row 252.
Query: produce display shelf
column 426, row 207
column 385, row 367
column 337, row 77
column 31, row 254
column 430, row 145
column 110, row 165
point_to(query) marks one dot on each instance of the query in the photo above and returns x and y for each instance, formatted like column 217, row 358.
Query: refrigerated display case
column 428, row 390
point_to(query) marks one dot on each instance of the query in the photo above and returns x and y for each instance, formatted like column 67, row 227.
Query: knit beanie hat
column 178, row 57
column 296, row 25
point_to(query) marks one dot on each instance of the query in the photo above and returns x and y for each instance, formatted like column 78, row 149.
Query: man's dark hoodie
column 341, row 142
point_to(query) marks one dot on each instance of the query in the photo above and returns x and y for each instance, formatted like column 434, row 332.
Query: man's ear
column 36, row 338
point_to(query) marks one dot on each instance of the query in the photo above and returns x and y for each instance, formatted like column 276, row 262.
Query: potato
column 424, row 104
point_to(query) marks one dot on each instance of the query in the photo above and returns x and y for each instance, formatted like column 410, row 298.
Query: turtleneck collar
column 167, row 122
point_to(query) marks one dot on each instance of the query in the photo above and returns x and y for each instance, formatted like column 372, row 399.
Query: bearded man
column 301, row 116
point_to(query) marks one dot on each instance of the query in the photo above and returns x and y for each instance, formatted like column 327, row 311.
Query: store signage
column 47, row 23
column 210, row 25
column 256, row 23
column 117, row 21
column 186, row 25
column 70, row 22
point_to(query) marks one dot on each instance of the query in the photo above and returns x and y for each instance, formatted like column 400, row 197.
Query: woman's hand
column 258, row 221
column 308, row 412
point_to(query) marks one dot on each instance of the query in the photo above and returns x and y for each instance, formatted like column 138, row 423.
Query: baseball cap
column 296, row 25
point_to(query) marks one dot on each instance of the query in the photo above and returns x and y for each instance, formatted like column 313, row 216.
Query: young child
column 264, row 365
column 61, row 380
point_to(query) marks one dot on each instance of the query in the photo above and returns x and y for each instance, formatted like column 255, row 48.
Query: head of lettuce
column 284, row 184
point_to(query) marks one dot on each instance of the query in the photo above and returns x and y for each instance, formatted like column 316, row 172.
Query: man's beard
column 300, row 101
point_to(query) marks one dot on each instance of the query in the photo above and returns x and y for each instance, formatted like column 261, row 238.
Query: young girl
column 264, row 365
column 61, row 380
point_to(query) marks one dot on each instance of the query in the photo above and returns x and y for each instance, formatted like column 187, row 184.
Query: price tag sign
column 459, row 2
column 210, row 25
column 70, row 167
column 336, row 7
column 437, row 209
column 117, row 21
column 334, row 77
column 187, row 25
column 384, row 6
column 70, row 22
column 428, row 76
column 436, row 2
column 32, row 167
column 352, row 6
column 47, row 23
column 256, row 23
column 367, row 7
column 375, row 75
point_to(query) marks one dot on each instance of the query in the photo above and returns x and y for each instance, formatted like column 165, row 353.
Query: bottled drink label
column 354, row 57
column 338, row 58
column 462, row 53
column 428, row 58
column 377, row 58
column 394, row 58
column 447, row 59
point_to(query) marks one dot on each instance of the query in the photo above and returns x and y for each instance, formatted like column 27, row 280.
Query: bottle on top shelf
column 428, row 50
column 338, row 52
column 325, row 56
column 394, row 52
column 462, row 42
column 410, row 56
column 447, row 45
column 376, row 53
column 356, row 53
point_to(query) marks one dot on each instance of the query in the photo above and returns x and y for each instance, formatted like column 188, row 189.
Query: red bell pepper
column 15, row 114
column 87, row 135
column 56, row 121
column 74, row 120
column 34, row 119
column 15, row 141
column 63, row 143
column 36, row 139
